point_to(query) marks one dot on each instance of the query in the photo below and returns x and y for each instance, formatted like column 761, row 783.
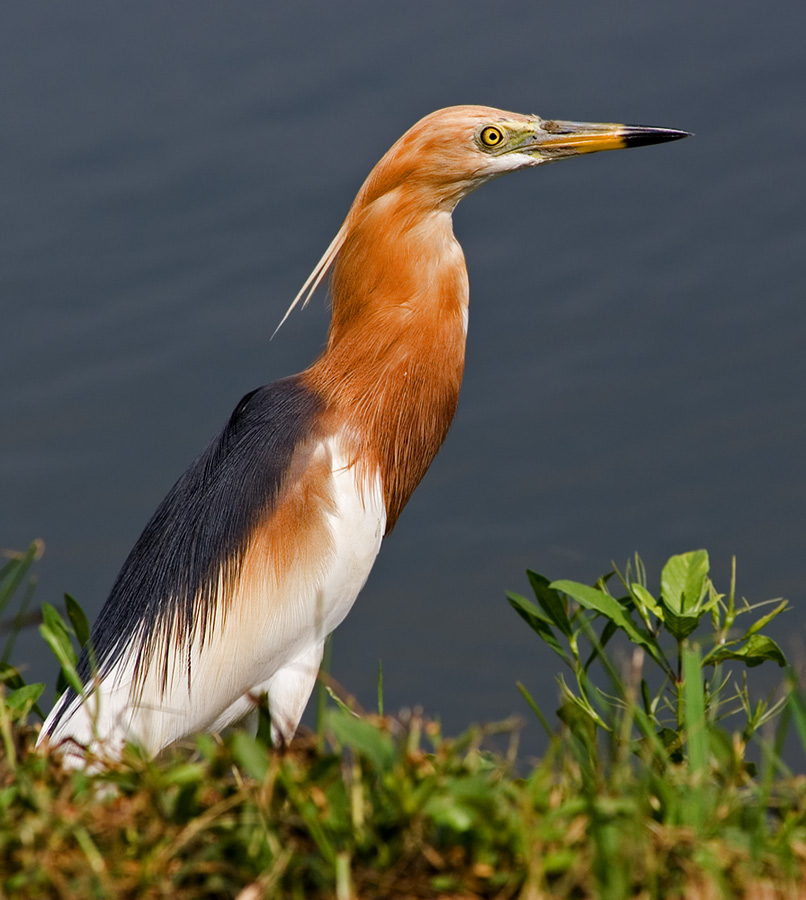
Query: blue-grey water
column 169, row 174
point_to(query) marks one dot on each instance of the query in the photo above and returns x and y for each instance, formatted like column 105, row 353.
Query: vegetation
column 646, row 790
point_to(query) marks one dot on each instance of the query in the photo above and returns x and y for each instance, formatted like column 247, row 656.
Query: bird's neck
column 391, row 373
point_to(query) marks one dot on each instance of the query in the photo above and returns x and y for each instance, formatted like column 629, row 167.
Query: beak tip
column 641, row 135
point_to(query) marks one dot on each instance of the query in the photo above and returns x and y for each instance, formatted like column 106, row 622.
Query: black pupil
column 493, row 137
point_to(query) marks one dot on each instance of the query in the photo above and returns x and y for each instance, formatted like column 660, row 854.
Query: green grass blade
column 797, row 706
column 321, row 687
column 535, row 709
column 14, row 571
column 694, row 711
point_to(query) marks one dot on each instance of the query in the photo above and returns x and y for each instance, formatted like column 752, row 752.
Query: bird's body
column 260, row 549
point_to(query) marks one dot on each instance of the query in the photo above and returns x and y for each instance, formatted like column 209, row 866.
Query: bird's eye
column 491, row 136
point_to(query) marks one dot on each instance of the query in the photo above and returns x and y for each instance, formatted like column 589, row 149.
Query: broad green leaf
column 591, row 598
column 758, row 649
column 683, row 581
column 537, row 620
column 680, row 627
column 11, row 679
column 599, row 601
column 550, row 600
column 761, row 648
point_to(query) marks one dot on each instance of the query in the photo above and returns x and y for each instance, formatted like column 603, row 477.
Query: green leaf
column 550, row 600
column 758, row 649
column 680, row 627
column 683, row 581
column 25, row 696
column 447, row 813
column 250, row 754
column 363, row 737
column 67, row 660
column 537, row 620
column 591, row 598
column 60, row 633
column 191, row 772
column 642, row 596
column 14, row 571
column 535, row 708
column 78, row 620
column 764, row 620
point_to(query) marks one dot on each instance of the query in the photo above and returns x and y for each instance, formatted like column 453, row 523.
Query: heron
column 259, row 550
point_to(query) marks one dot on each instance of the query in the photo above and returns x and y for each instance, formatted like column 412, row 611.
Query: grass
column 646, row 789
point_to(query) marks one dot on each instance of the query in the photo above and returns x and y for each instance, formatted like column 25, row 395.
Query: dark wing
column 168, row 586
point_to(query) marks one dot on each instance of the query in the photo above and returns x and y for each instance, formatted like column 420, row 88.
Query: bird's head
column 452, row 151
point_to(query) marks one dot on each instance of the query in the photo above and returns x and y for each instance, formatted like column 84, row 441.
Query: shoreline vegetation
column 663, row 775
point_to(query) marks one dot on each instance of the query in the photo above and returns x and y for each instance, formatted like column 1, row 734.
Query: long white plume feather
column 321, row 269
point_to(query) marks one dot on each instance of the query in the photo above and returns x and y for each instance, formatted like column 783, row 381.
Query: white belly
column 358, row 524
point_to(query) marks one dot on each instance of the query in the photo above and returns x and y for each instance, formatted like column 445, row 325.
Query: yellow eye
column 491, row 136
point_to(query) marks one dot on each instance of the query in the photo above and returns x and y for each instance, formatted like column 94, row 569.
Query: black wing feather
column 202, row 528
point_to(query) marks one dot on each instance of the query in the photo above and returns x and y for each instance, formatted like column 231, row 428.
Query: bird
column 259, row 550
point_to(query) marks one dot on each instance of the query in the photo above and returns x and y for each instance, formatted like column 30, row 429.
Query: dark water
column 635, row 381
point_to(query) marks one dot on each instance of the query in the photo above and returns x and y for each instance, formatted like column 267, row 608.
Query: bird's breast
column 309, row 559
column 355, row 520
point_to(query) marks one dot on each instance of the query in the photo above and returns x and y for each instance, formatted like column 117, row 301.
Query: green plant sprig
column 671, row 629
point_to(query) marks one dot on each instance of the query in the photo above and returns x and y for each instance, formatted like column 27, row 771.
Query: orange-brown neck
column 391, row 372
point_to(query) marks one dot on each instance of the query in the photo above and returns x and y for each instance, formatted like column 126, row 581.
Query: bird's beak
column 554, row 139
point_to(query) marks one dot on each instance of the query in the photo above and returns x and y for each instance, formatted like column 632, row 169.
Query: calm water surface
column 635, row 375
